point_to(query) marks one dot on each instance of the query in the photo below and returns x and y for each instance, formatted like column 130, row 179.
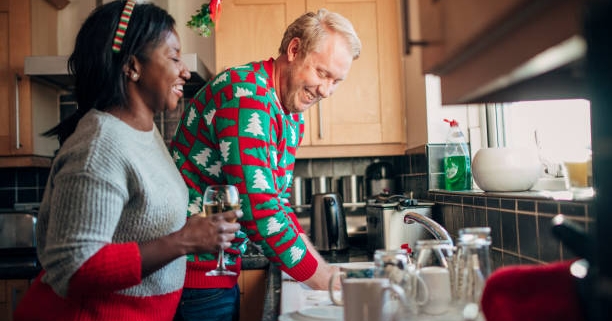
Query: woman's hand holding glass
column 209, row 233
column 220, row 199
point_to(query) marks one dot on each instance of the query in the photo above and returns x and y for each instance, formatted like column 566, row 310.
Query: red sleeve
column 114, row 267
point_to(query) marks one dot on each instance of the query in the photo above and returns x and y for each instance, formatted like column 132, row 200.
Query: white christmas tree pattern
column 195, row 206
column 192, row 115
column 176, row 156
column 209, row 117
column 274, row 160
column 220, row 79
column 224, row 146
column 214, row 169
column 293, row 136
column 260, row 181
column 254, row 126
column 273, row 226
column 242, row 92
column 202, row 157
column 296, row 253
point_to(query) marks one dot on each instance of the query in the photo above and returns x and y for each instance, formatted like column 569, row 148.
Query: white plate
column 330, row 312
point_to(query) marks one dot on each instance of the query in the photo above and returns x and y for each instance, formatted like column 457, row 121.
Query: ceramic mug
column 436, row 288
column 433, row 265
column 366, row 299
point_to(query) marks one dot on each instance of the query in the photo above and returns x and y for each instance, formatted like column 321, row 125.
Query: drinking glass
column 218, row 199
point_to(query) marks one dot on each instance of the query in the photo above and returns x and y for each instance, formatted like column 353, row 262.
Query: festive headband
column 204, row 20
column 122, row 26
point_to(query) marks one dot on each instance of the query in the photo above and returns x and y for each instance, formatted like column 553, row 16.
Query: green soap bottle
column 457, row 164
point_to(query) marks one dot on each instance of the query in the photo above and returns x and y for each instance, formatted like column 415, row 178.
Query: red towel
column 539, row 293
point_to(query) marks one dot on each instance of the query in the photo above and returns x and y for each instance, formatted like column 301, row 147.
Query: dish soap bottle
column 457, row 167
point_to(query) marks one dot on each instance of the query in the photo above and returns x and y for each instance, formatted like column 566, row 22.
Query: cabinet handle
column 408, row 43
column 15, row 296
column 17, row 130
column 320, row 120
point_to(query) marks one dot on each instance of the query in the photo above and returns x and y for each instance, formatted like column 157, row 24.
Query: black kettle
column 328, row 223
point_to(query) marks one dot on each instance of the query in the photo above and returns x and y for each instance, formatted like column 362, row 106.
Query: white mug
column 366, row 299
column 438, row 283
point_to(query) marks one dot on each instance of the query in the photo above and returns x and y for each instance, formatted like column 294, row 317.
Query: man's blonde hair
column 312, row 28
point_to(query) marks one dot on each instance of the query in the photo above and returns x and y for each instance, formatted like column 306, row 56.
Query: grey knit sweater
column 108, row 184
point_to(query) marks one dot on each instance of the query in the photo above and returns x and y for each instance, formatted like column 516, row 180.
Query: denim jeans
column 209, row 305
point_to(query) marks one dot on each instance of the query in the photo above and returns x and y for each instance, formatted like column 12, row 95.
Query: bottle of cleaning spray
column 457, row 167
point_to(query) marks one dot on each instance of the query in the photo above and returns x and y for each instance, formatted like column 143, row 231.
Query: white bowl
column 506, row 169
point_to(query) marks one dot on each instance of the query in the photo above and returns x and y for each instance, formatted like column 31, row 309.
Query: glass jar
column 473, row 265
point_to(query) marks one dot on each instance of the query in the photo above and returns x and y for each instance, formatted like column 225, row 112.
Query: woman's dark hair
column 100, row 80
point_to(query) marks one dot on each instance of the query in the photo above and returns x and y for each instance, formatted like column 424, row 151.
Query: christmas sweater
column 235, row 131
column 110, row 187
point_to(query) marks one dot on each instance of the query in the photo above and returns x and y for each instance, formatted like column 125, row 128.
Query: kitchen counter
column 280, row 285
column 18, row 271
column 19, row 263
column 295, row 295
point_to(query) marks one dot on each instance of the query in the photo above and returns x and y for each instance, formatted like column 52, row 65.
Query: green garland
column 201, row 22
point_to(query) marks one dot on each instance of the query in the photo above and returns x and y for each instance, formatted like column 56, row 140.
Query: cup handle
column 332, row 280
column 421, row 289
column 399, row 291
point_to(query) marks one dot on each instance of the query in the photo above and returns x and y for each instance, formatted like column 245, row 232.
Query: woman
column 112, row 234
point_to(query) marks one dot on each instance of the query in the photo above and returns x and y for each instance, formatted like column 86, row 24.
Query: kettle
column 328, row 223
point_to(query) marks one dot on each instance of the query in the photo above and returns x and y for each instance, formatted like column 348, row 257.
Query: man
column 243, row 128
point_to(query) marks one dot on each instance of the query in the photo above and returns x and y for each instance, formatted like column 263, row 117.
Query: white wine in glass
column 218, row 199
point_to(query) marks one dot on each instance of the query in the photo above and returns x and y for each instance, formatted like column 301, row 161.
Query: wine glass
column 217, row 199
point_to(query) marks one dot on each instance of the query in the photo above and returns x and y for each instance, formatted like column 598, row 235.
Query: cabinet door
column 251, row 30
column 367, row 107
column 252, row 294
column 5, row 81
column 11, row 292
column 451, row 26
column 15, row 126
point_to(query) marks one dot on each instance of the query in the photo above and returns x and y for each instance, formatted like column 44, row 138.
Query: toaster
column 17, row 230
column 386, row 228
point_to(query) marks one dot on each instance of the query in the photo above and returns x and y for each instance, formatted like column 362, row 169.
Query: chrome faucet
column 430, row 225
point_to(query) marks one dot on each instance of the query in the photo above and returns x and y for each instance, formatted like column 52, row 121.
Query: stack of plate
column 316, row 313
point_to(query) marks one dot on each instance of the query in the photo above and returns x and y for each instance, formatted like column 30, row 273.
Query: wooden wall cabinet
column 26, row 108
column 252, row 285
column 479, row 47
column 365, row 116
column 11, row 292
column 450, row 27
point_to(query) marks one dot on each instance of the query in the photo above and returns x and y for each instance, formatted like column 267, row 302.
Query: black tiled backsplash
column 22, row 185
column 410, row 170
column 521, row 229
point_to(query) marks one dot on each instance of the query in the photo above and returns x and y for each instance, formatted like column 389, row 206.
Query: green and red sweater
column 235, row 131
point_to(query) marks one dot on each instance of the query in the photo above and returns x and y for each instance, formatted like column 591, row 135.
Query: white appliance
column 386, row 228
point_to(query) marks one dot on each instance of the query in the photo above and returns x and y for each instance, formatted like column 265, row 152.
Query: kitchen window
column 560, row 129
